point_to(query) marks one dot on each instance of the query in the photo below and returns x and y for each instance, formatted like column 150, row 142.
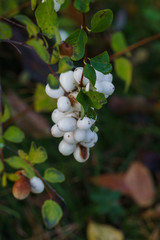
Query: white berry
column 89, row 136
column 69, row 138
column 63, row 104
column 56, row 132
column 79, row 135
column 57, row 115
column 81, row 154
column 78, row 76
column 56, row 6
column 108, row 77
column 84, row 123
column 67, row 124
column 54, row 93
column 108, row 88
column 65, row 148
column 67, row 81
column 37, row 186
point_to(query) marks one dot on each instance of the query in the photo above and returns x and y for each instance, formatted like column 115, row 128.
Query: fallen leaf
column 103, row 232
column 152, row 214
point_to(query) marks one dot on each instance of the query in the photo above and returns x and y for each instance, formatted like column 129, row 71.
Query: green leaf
column 52, row 175
column 53, row 81
column 5, row 31
column 33, row 4
column 14, row 134
column 83, row 100
column 51, row 213
column 101, row 20
column 89, row 73
column 50, row 6
column 2, row 143
column 101, row 63
column 19, row 163
column 1, row 166
column 42, row 102
column 37, row 155
column 40, row 49
column 82, row 5
column 91, row 113
column 55, row 55
column 46, row 20
column 95, row 99
column 60, row 1
column 77, row 40
column 7, row 113
column 10, row 7
column 124, row 70
column 118, row 42
column 65, row 64
column 32, row 29
column 22, row 154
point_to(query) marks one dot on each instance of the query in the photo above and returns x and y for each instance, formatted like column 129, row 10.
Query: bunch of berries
column 77, row 135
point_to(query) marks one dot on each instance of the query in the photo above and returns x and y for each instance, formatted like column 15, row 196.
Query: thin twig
column 135, row 45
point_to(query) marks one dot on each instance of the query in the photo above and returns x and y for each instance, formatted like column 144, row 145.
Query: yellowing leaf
column 103, row 232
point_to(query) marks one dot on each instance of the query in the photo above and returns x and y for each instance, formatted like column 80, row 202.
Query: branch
column 135, row 45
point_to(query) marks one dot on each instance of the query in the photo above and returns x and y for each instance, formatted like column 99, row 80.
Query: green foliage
column 41, row 100
column 8, row 6
column 33, row 4
column 118, row 42
column 47, row 18
column 40, row 49
column 82, row 5
column 19, row 163
column 6, row 114
column 51, row 213
column 1, row 166
column 32, row 29
column 89, row 73
column 52, row 175
column 78, row 40
column 60, row 1
column 101, row 63
column 37, row 155
column 55, row 55
column 53, row 81
column 124, row 70
column 101, row 20
column 13, row 134
column 65, row 64
column 5, row 31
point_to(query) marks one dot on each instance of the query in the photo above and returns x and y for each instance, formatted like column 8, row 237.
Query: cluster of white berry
column 77, row 135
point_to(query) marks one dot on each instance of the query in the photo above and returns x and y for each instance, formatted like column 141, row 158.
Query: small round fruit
column 21, row 188
column 108, row 88
column 63, row 104
column 69, row 138
column 37, row 186
column 56, row 6
column 76, row 106
column 84, row 123
column 67, row 81
column 78, row 75
column 57, row 115
column 89, row 136
column 65, row 49
column 79, row 135
column 98, row 86
column 81, row 154
column 108, row 77
column 54, row 93
column 67, row 124
column 65, row 148
column 99, row 76
column 56, row 132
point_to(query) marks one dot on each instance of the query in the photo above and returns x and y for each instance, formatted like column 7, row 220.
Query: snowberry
column 54, row 93
column 78, row 76
column 98, row 86
column 72, row 114
column 67, row 81
column 67, row 124
column 37, row 186
column 57, row 115
column 108, row 77
column 88, row 144
column 99, row 76
column 69, row 138
column 65, row 148
column 56, row 6
column 63, row 104
column 56, row 132
column 89, row 136
column 108, row 88
column 79, row 135
column 81, row 154
column 76, row 106
column 84, row 123
column 21, row 188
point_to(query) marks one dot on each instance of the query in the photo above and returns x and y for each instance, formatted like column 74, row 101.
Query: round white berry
column 108, row 77
column 78, row 76
column 81, row 154
column 54, row 93
column 108, row 88
column 89, row 136
column 76, row 106
column 98, row 86
column 87, row 87
column 63, row 104
column 84, row 123
column 37, row 186
column 67, row 81
column 65, row 148
column 67, row 124
column 57, row 115
column 56, row 132
column 56, row 6
column 95, row 137
column 99, row 76
column 88, row 144
column 72, row 114
column 69, row 138
column 79, row 135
